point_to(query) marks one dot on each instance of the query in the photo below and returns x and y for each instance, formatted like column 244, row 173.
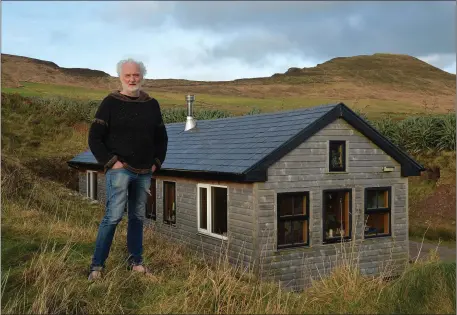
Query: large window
column 293, row 219
column 169, row 202
column 91, row 184
column 377, row 211
column 151, row 203
column 212, row 210
column 337, row 156
column 337, row 215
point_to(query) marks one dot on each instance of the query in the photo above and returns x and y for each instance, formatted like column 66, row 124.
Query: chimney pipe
column 191, row 122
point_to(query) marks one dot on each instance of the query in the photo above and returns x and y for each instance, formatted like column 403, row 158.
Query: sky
column 224, row 40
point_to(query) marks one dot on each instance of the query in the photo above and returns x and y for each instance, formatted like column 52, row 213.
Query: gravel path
column 446, row 253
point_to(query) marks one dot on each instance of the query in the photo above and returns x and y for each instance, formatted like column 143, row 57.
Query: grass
column 48, row 233
column 432, row 202
column 237, row 104
column 44, row 133
column 51, row 90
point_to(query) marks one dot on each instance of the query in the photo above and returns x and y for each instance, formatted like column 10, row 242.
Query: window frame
column 92, row 184
column 165, row 221
column 329, row 160
column 378, row 210
column 292, row 218
column 208, row 210
column 340, row 239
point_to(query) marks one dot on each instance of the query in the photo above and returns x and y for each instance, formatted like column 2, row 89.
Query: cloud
column 321, row 29
column 222, row 40
column 443, row 61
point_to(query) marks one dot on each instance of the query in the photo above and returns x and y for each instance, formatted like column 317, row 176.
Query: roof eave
column 202, row 175
column 212, row 175
column 409, row 167
column 294, row 142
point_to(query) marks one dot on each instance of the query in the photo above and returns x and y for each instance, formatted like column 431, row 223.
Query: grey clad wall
column 305, row 169
column 240, row 224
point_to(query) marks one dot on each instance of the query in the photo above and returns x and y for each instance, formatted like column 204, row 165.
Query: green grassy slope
column 47, row 241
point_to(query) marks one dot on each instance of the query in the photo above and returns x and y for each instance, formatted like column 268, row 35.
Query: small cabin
column 285, row 193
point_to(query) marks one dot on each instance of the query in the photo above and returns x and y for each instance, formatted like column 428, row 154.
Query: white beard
column 129, row 88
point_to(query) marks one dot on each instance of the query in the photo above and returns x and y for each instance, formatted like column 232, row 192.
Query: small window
column 151, row 203
column 337, row 215
column 91, row 185
column 337, row 156
column 377, row 211
column 212, row 210
column 169, row 202
column 293, row 219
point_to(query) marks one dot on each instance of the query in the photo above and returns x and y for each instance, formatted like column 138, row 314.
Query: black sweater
column 130, row 130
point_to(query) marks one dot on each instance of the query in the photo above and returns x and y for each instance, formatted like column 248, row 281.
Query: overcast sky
column 225, row 40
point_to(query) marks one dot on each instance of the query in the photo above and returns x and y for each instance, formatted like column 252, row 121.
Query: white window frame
column 91, row 183
column 208, row 211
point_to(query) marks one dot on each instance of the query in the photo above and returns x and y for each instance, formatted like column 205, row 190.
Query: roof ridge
column 302, row 109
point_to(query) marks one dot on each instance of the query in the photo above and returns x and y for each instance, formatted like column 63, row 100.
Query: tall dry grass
column 59, row 228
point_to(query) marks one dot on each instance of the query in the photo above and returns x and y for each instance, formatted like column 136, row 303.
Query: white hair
column 130, row 60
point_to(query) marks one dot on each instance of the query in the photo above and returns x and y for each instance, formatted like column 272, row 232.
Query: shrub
column 418, row 134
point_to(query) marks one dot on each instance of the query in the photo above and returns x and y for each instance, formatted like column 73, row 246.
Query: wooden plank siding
column 306, row 169
column 240, row 224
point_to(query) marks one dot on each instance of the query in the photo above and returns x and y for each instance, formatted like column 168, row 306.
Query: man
column 129, row 138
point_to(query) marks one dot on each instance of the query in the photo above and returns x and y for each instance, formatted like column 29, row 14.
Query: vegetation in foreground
column 44, row 133
column 48, row 234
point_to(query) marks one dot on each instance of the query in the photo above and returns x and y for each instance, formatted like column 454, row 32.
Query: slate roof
column 241, row 148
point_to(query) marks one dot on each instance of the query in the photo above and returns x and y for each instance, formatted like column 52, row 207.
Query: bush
column 420, row 134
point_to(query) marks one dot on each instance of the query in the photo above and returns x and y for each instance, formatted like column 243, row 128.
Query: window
column 337, row 156
column 91, row 184
column 377, row 211
column 169, row 202
column 212, row 210
column 337, row 215
column 293, row 219
column 151, row 203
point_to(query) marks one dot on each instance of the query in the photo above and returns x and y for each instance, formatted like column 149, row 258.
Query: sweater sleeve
column 97, row 134
column 160, row 141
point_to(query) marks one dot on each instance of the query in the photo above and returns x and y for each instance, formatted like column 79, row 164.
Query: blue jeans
column 120, row 185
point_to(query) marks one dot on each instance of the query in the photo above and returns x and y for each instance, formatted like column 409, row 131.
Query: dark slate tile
column 231, row 144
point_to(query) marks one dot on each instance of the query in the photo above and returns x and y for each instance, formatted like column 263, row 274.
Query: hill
column 16, row 69
column 393, row 83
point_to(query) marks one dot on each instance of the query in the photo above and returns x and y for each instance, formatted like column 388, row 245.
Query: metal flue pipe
column 190, row 122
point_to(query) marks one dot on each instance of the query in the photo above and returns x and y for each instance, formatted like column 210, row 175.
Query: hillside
column 16, row 69
column 405, row 81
